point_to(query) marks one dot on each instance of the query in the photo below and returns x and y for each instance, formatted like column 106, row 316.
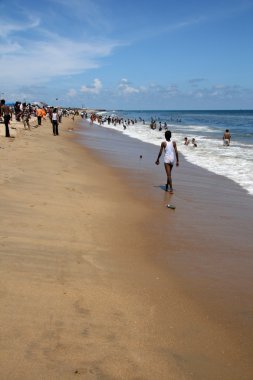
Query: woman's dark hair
column 168, row 135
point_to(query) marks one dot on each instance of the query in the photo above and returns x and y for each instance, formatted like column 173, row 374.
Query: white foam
column 234, row 162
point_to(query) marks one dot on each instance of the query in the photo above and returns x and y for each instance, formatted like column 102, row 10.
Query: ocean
column 207, row 127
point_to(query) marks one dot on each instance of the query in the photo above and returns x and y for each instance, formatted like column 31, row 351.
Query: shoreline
column 235, row 162
column 196, row 197
column 84, row 288
column 209, row 254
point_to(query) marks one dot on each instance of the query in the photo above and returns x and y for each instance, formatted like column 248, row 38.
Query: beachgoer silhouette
column 170, row 156
column 7, row 114
column 226, row 138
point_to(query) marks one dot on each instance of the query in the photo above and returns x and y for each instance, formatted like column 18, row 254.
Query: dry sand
column 83, row 294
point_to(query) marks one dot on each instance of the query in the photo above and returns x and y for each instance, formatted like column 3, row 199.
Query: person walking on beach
column 6, row 113
column 26, row 114
column 170, row 156
column 226, row 138
column 55, row 121
column 60, row 115
column 39, row 114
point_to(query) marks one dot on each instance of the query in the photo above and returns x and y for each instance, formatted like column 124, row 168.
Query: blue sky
column 142, row 54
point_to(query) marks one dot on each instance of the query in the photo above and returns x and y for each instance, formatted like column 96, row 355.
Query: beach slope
column 82, row 293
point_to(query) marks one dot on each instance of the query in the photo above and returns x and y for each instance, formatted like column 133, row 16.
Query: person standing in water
column 170, row 156
column 226, row 138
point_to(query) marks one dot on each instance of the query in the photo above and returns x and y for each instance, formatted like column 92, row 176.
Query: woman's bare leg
column 168, row 169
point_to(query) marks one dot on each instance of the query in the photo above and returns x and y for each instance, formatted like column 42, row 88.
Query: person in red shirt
column 39, row 114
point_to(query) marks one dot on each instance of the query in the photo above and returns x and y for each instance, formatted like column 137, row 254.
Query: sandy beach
column 99, row 280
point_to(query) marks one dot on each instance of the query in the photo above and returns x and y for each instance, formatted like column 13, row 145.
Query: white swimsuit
column 169, row 156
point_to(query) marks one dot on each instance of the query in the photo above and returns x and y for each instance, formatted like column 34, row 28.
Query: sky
column 128, row 55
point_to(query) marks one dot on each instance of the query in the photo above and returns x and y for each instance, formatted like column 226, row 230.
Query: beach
column 99, row 280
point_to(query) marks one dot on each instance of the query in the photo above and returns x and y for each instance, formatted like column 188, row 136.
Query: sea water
column 207, row 127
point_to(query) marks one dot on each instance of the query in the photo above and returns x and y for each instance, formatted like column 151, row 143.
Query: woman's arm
column 160, row 153
column 176, row 151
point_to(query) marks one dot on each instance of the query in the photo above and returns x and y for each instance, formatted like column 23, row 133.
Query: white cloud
column 185, row 24
column 8, row 27
column 9, row 48
column 27, row 62
column 125, row 88
column 94, row 89
column 31, row 54
column 86, row 10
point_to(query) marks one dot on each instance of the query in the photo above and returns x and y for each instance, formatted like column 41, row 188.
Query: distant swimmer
column 194, row 143
column 226, row 138
column 170, row 156
column 186, row 141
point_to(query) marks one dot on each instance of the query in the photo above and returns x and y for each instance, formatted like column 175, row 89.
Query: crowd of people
column 24, row 112
column 154, row 124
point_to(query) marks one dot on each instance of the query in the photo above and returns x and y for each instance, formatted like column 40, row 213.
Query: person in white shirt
column 55, row 122
column 170, row 156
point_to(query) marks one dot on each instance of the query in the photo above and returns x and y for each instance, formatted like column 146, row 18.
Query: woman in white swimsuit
column 170, row 156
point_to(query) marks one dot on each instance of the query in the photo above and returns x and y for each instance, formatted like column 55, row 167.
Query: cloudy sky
column 135, row 54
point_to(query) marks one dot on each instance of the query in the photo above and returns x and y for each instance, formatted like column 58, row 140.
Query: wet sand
column 99, row 280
